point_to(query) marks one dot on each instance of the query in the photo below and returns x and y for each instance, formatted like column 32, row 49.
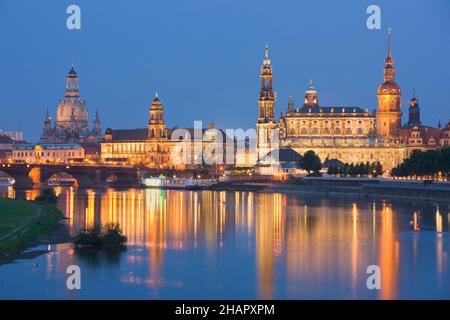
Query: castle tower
column 414, row 112
column 389, row 112
column 156, row 127
column 266, row 126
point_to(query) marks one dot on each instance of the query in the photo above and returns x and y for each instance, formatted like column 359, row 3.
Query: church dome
column 72, row 108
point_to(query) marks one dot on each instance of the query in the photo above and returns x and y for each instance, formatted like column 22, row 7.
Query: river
column 241, row 245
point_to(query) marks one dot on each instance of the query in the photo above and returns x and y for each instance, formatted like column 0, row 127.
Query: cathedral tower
column 156, row 127
column 414, row 112
column 389, row 112
column 266, row 126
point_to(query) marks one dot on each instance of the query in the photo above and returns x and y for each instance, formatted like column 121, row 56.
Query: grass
column 36, row 219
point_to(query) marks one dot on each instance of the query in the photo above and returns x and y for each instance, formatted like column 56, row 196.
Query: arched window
column 337, row 130
column 304, row 131
column 348, row 131
column 315, row 131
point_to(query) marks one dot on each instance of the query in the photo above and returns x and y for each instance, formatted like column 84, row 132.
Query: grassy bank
column 22, row 222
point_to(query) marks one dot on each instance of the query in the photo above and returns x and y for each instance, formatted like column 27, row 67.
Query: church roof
column 142, row 134
column 283, row 155
column 129, row 134
column 330, row 110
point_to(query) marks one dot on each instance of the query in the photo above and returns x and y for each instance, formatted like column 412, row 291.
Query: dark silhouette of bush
column 108, row 237
column 48, row 196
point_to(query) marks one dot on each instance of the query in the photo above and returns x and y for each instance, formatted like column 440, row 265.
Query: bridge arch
column 62, row 178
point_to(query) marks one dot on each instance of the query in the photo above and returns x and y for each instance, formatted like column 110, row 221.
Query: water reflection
column 259, row 245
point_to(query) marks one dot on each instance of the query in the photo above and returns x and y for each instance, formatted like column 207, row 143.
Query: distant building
column 6, row 147
column 72, row 118
column 15, row 135
column 48, row 153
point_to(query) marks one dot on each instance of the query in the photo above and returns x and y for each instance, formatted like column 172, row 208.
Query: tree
column 311, row 162
column 425, row 163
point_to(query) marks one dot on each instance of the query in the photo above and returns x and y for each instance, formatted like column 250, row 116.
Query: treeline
column 429, row 164
column 374, row 169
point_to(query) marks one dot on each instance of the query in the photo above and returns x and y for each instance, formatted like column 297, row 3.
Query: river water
column 241, row 245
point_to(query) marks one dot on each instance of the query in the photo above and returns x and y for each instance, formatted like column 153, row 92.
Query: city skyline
column 195, row 86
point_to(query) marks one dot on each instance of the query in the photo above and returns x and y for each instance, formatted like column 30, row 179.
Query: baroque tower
column 156, row 127
column 266, row 126
column 389, row 112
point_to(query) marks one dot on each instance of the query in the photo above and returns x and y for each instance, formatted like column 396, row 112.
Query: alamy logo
column 74, row 280
column 374, row 280
column 73, row 21
column 374, row 20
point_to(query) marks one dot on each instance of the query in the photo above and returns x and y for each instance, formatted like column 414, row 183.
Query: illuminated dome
column 389, row 87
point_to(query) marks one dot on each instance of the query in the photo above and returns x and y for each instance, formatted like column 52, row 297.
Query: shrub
column 110, row 236
column 48, row 196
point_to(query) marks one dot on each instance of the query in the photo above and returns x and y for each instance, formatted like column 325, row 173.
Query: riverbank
column 404, row 189
column 22, row 223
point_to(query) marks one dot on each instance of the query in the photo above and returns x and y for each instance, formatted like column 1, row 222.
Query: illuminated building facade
column 349, row 134
column 160, row 147
column 48, row 153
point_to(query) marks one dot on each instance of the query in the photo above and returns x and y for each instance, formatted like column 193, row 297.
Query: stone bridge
column 30, row 175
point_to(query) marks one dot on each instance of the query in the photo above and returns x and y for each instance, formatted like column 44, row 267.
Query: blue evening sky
column 203, row 57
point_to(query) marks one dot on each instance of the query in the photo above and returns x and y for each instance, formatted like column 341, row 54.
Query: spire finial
column 414, row 92
column 156, row 95
column 267, row 50
column 310, row 83
column 389, row 42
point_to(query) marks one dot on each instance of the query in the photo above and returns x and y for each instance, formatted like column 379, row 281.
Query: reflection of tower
column 389, row 112
column 388, row 255
column 268, row 230
column 266, row 126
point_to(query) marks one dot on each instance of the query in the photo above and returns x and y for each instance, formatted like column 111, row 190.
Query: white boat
column 7, row 182
column 163, row 182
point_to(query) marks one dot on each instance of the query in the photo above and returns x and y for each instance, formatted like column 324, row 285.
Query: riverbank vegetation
column 22, row 222
column 374, row 169
column 430, row 164
column 109, row 236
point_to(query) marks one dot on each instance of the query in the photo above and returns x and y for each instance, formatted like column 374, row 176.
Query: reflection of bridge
column 29, row 175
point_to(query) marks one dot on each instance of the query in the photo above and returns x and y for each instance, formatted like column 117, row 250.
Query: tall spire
column 267, row 50
column 389, row 42
column 389, row 71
